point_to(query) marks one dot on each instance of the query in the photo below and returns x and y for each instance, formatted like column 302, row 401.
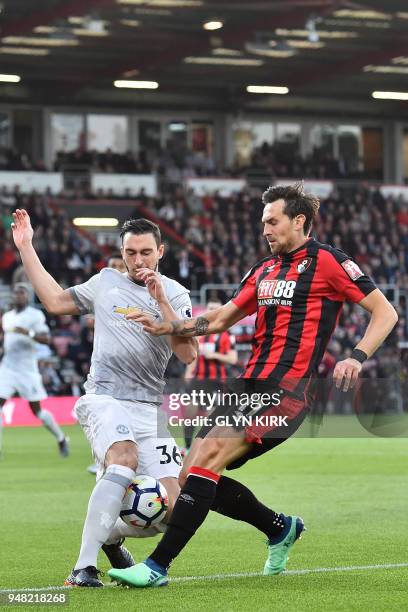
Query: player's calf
column 215, row 451
column 173, row 489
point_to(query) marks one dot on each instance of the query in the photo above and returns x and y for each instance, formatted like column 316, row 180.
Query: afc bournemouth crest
column 304, row 264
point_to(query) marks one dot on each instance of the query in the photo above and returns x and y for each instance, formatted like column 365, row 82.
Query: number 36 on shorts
column 169, row 453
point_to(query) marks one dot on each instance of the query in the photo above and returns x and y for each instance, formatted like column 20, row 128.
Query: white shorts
column 27, row 384
column 106, row 420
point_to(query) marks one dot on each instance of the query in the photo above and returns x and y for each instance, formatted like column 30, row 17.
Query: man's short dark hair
column 297, row 202
column 141, row 226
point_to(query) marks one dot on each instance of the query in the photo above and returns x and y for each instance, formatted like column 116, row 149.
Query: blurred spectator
column 51, row 379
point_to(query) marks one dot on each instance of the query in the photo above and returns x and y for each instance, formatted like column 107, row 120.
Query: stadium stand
column 282, row 162
column 176, row 165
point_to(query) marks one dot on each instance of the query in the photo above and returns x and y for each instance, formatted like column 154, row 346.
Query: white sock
column 103, row 511
column 122, row 530
column 50, row 423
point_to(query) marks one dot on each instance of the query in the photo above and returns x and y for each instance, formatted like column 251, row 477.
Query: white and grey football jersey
column 20, row 351
column 127, row 363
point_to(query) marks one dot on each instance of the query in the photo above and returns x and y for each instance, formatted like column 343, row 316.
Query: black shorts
column 267, row 424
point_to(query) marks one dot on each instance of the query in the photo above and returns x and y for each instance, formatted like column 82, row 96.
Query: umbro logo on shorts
column 122, row 429
column 187, row 498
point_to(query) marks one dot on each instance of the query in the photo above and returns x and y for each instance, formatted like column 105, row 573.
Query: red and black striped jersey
column 298, row 298
column 213, row 369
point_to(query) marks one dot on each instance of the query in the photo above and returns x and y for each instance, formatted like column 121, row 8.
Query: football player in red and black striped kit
column 216, row 352
column 297, row 292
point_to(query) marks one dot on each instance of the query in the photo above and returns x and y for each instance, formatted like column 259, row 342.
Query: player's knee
column 182, row 477
column 211, row 456
column 123, row 453
column 35, row 408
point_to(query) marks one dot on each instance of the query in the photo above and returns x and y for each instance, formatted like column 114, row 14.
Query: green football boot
column 146, row 574
column 278, row 551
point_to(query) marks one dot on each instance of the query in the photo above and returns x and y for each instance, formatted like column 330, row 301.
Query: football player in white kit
column 116, row 262
column 23, row 327
column 120, row 413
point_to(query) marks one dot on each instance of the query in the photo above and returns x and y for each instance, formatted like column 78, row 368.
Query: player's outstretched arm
column 382, row 321
column 53, row 297
column 211, row 322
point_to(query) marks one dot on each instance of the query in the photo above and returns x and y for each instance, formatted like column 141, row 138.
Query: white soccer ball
column 145, row 502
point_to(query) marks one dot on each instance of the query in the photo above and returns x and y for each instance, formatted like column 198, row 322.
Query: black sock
column 236, row 501
column 188, row 435
column 190, row 510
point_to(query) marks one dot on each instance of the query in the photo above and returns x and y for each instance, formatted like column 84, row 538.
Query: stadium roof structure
column 330, row 54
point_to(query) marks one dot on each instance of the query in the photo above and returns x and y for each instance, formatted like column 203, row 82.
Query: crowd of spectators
column 171, row 167
column 173, row 164
column 278, row 160
column 11, row 159
column 223, row 238
column 71, row 258
column 108, row 161
column 67, row 254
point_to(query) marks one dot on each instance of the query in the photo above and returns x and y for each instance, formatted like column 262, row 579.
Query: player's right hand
column 20, row 330
column 21, row 228
column 346, row 373
column 156, row 328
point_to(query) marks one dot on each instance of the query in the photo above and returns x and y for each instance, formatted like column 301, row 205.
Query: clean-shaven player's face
column 282, row 233
column 20, row 298
column 140, row 251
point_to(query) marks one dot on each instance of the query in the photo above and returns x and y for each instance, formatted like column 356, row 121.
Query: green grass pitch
column 352, row 494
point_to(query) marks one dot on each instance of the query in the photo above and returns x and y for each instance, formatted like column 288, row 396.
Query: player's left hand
column 346, row 373
column 153, row 283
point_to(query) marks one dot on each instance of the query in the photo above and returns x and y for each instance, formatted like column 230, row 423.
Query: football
column 145, row 502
